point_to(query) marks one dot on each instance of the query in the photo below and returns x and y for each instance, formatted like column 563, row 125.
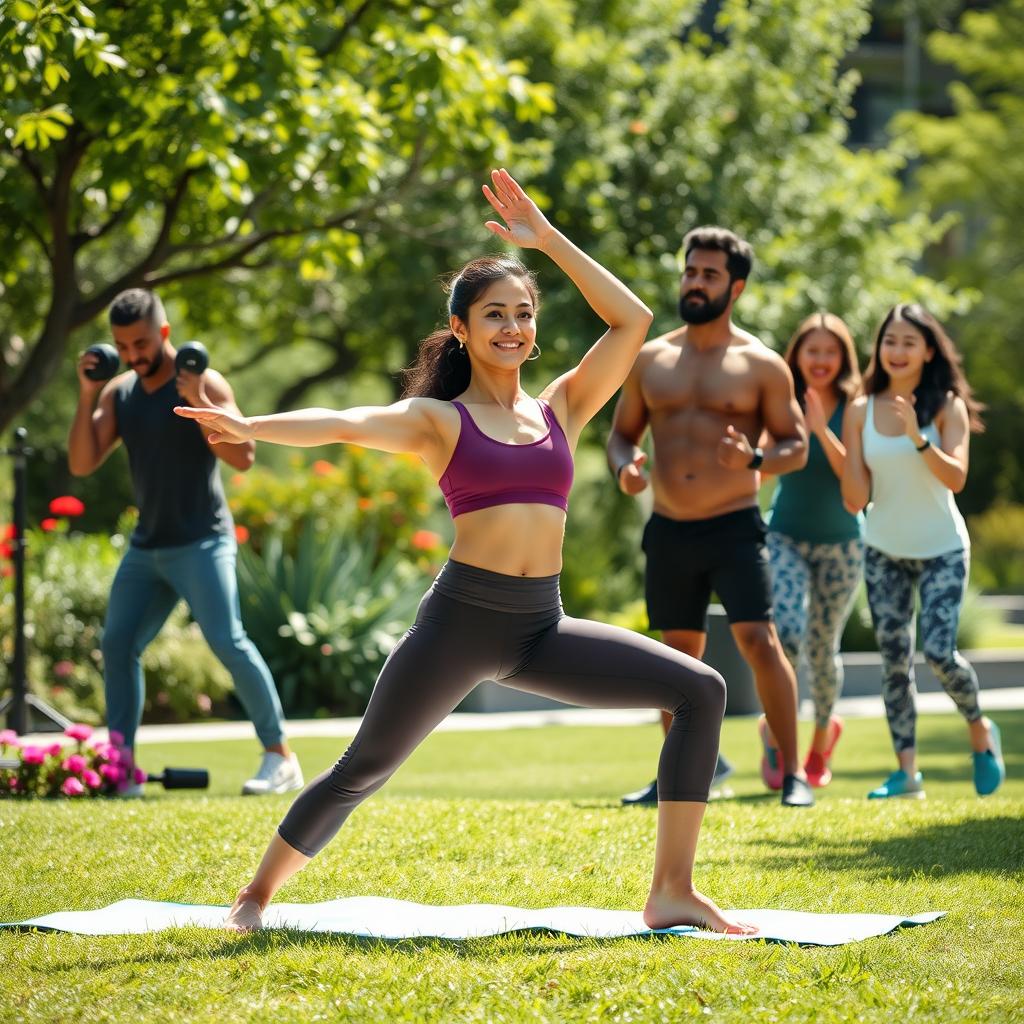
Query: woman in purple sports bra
column 503, row 461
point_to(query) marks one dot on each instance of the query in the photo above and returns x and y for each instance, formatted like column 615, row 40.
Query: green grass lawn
column 531, row 817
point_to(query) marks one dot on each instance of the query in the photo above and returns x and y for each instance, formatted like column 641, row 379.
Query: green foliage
column 384, row 500
column 973, row 163
column 67, row 585
column 326, row 617
column 997, row 549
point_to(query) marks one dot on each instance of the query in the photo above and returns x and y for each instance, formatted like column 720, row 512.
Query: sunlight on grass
column 531, row 817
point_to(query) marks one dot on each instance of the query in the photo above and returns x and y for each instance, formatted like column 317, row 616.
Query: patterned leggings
column 813, row 588
column 941, row 582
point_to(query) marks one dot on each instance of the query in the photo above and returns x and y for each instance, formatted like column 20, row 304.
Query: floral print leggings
column 813, row 588
column 941, row 583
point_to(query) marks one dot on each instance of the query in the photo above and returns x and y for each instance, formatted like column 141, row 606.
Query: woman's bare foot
column 246, row 914
column 664, row 910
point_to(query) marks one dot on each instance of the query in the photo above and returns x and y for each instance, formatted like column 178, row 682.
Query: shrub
column 326, row 618
column 997, row 549
column 68, row 578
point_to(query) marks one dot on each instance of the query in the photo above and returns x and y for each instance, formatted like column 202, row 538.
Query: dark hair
column 137, row 304
column 442, row 368
column 940, row 376
column 847, row 381
column 739, row 256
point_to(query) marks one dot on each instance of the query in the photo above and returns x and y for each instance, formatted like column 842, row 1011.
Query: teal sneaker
column 989, row 767
column 901, row 786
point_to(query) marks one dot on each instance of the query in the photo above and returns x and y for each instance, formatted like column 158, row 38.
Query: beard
column 695, row 309
column 148, row 369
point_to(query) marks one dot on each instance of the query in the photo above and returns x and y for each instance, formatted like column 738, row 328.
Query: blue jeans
column 146, row 587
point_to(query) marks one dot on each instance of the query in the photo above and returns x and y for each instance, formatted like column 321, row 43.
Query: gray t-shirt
column 175, row 475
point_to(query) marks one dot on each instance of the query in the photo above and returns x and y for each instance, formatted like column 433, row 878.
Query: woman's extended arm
column 603, row 369
column 411, row 425
column 947, row 463
column 855, row 483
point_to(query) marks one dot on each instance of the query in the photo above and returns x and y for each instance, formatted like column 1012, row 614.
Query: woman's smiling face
column 502, row 326
column 903, row 351
column 819, row 358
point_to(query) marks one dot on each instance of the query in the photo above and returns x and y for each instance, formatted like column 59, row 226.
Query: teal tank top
column 807, row 505
column 176, row 477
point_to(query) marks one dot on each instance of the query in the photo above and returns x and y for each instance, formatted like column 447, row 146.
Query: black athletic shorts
column 687, row 559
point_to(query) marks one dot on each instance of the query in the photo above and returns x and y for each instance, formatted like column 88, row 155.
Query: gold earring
column 535, row 353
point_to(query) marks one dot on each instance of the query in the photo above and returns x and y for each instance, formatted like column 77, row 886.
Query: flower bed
column 88, row 769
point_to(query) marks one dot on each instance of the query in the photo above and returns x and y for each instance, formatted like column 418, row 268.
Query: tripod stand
column 20, row 702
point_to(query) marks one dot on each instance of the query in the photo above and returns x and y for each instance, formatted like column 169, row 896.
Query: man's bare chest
column 727, row 386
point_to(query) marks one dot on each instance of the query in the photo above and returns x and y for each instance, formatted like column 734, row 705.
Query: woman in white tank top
column 907, row 446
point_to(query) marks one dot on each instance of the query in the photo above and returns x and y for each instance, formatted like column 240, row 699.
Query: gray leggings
column 813, row 589
column 941, row 582
column 473, row 625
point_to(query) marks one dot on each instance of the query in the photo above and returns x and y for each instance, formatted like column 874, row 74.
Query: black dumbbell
column 192, row 356
column 182, row 778
column 107, row 362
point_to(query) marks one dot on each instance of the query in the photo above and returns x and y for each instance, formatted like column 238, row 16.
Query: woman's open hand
column 226, row 426
column 525, row 225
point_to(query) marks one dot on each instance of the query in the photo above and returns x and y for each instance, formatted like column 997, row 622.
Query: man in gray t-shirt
column 184, row 545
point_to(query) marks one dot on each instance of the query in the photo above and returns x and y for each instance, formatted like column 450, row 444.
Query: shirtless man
column 708, row 390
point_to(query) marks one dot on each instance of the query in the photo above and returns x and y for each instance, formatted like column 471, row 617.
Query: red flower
column 425, row 540
column 49, row 524
column 7, row 532
column 66, row 505
column 241, row 533
column 6, row 551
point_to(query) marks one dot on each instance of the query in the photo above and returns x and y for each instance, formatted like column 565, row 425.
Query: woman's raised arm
column 606, row 365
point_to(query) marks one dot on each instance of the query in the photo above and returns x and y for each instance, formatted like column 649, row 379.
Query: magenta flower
column 62, row 669
column 77, row 731
column 111, row 772
column 54, row 750
column 75, row 764
column 117, row 738
column 91, row 779
column 33, row 755
column 139, row 775
column 9, row 738
column 72, row 787
column 15, row 785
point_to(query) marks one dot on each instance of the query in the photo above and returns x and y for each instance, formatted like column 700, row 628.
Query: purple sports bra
column 483, row 472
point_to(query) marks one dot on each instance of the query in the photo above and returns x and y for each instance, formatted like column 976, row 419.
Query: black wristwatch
column 923, row 446
column 756, row 459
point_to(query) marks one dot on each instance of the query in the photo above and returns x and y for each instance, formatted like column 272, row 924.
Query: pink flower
column 115, row 737
column 54, row 750
column 9, row 738
column 14, row 784
column 76, row 731
column 111, row 772
column 62, row 669
column 139, row 775
column 75, row 763
column 33, row 755
column 204, row 703
column 72, row 787
column 91, row 779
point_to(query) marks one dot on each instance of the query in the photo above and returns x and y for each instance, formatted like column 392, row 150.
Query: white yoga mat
column 380, row 918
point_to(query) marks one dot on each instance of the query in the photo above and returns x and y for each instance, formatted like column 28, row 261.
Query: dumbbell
column 182, row 778
column 107, row 362
column 192, row 356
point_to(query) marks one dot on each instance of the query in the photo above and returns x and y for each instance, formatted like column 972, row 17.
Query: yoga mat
column 377, row 917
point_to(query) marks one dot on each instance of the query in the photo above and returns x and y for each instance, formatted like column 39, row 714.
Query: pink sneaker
column 816, row 767
column 771, row 761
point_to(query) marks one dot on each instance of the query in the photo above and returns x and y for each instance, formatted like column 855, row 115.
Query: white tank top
column 912, row 514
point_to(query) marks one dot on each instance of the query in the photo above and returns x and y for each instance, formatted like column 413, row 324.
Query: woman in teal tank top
column 816, row 546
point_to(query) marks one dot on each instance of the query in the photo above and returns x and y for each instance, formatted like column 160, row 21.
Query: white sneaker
column 132, row 792
column 277, row 774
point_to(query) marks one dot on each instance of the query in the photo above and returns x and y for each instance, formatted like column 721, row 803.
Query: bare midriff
column 515, row 540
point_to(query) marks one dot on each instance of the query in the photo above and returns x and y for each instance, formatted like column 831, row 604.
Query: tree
column 159, row 144
column 973, row 162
